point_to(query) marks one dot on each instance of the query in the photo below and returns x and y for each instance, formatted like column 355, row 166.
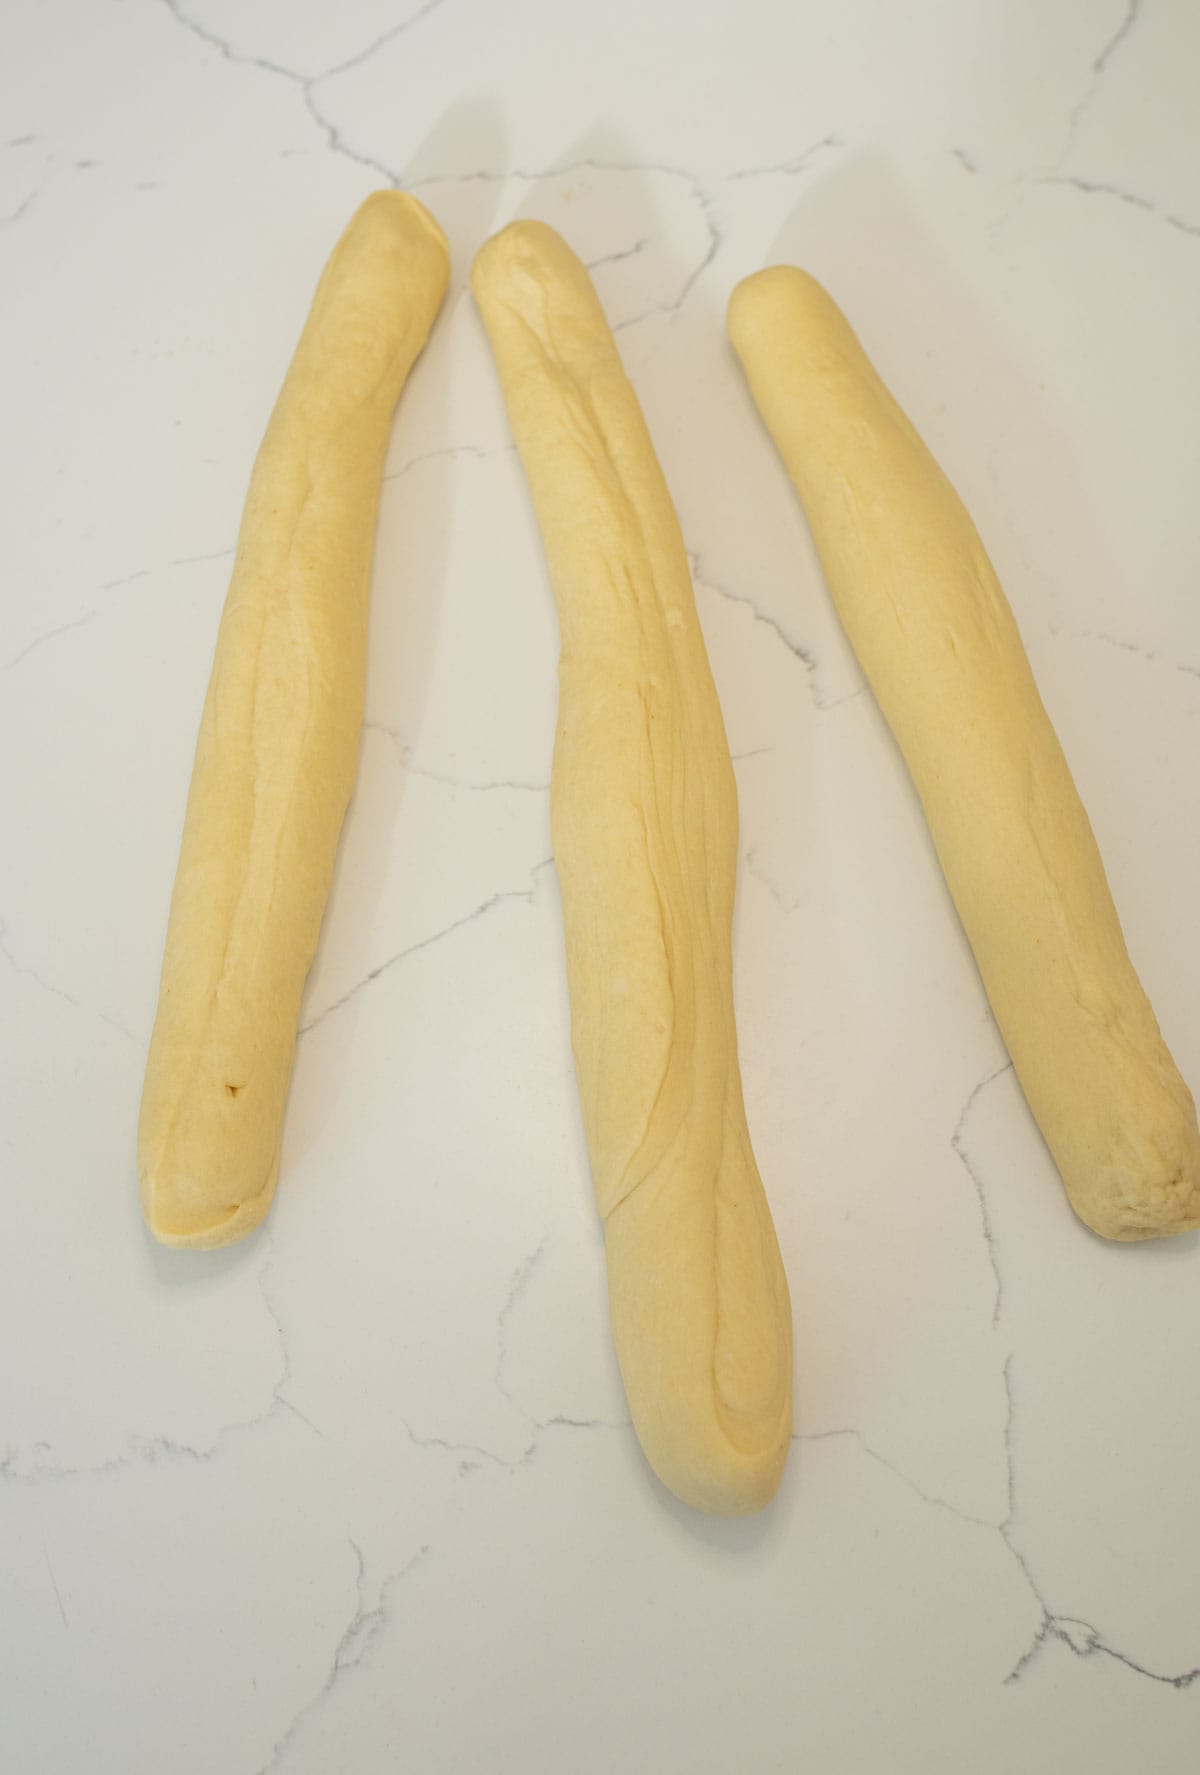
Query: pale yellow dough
column 278, row 744
column 938, row 643
column 644, row 818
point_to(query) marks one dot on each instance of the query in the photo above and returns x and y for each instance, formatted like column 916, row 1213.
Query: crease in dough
column 278, row 744
column 644, row 823
column 938, row 643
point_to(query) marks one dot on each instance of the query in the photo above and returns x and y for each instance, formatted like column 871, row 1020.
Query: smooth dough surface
column 278, row 744
column 644, row 818
column 936, row 638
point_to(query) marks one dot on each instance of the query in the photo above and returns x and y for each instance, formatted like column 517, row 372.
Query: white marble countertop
column 360, row 1494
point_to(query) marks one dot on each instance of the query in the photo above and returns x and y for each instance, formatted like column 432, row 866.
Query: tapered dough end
column 709, row 1382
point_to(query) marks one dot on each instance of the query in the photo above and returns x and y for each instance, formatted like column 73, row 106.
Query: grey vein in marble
column 1080, row 1637
column 451, row 453
column 715, row 237
column 958, row 1142
column 22, row 208
column 474, row 1449
column 1052, row 173
column 124, row 579
column 1085, row 1641
column 639, row 246
column 796, row 648
column 755, row 868
column 63, row 628
column 589, row 163
column 1100, row 63
column 21, row 967
column 471, row 1456
column 474, row 785
column 798, row 163
column 517, row 1287
column 702, row 577
column 355, row 1644
column 715, row 240
column 109, row 585
column 150, row 1451
column 1104, row 188
column 522, row 1276
column 306, row 84
column 393, row 31
column 933, row 1499
column 62, row 1607
column 457, row 924
column 189, row 561
column 1139, row 652
column 1132, row 13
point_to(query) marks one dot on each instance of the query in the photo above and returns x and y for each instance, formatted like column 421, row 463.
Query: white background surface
column 360, row 1493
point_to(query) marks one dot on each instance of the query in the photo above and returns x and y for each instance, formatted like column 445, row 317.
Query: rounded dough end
column 701, row 1466
column 780, row 295
column 731, row 1485
column 1152, row 1212
column 174, row 1222
column 391, row 208
column 719, row 1444
column 535, row 244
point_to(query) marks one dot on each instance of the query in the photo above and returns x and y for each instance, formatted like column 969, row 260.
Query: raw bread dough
column 935, row 636
column 278, row 745
column 644, row 817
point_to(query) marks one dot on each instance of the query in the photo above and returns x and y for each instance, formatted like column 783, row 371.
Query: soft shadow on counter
column 730, row 1537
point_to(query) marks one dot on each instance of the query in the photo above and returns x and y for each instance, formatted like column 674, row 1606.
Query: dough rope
column 934, row 634
column 644, row 822
column 278, row 745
